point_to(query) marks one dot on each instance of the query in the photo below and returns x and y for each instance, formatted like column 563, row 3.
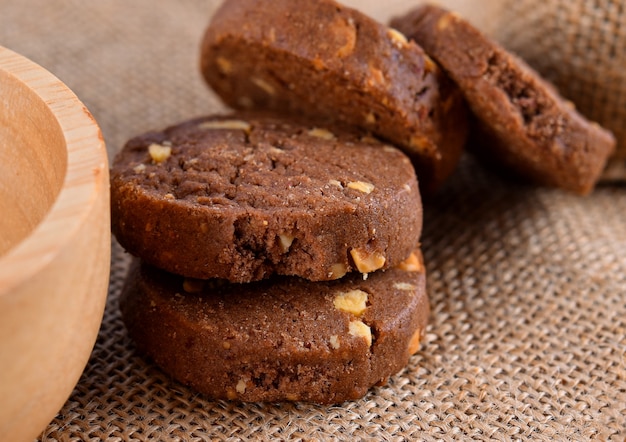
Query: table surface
column 527, row 336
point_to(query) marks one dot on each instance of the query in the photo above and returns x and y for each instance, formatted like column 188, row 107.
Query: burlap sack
column 580, row 45
column 527, row 335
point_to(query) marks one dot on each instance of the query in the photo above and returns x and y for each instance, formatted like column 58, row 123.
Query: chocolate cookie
column 284, row 339
column 246, row 196
column 319, row 58
column 523, row 122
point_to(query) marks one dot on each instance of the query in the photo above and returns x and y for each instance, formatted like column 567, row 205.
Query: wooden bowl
column 55, row 244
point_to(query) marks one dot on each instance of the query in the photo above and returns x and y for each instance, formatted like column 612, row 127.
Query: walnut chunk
column 420, row 143
column 367, row 262
column 446, row 19
column 361, row 186
column 397, row 37
column 224, row 65
column 271, row 35
column 370, row 119
column 318, row 64
column 412, row 264
column 226, row 124
column 140, row 168
column 285, row 241
column 337, row 271
column 404, row 286
column 414, row 343
column 192, row 285
column 354, row 301
column 241, row 385
column 429, row 64
column 159, row 152
column 169, row 196
column 334, row 342
column 321, row 133
column 360, row 329
column 376, row 78
column 268, row 88
column 347, row 29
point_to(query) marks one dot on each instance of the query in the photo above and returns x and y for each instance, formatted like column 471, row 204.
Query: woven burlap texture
column 579, row 45
column 527, row 337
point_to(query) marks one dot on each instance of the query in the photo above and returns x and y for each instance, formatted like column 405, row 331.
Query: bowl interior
column 55, row 243
column 33, row 160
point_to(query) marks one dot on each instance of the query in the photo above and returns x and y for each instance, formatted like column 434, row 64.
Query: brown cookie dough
column 523, row 123
column 319, row 58
column 283, row 339
column 245, row 196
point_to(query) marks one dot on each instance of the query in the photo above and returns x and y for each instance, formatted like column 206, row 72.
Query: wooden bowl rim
column 87, row 161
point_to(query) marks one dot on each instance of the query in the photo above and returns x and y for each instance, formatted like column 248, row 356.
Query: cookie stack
column 279, row 260
column 278, row 246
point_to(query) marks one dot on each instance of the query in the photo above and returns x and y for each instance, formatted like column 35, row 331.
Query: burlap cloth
column 527, row 338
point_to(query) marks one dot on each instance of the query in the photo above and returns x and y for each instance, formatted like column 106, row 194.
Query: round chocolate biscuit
column 280, row 339
column 243, row 197
column 522, row 122
column 321, row 59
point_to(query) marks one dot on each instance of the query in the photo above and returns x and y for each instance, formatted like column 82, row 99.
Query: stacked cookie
column 278, row 246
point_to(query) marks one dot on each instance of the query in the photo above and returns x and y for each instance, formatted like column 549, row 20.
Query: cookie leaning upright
column 319, row 58
column 245, row 196
column 523, row 121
